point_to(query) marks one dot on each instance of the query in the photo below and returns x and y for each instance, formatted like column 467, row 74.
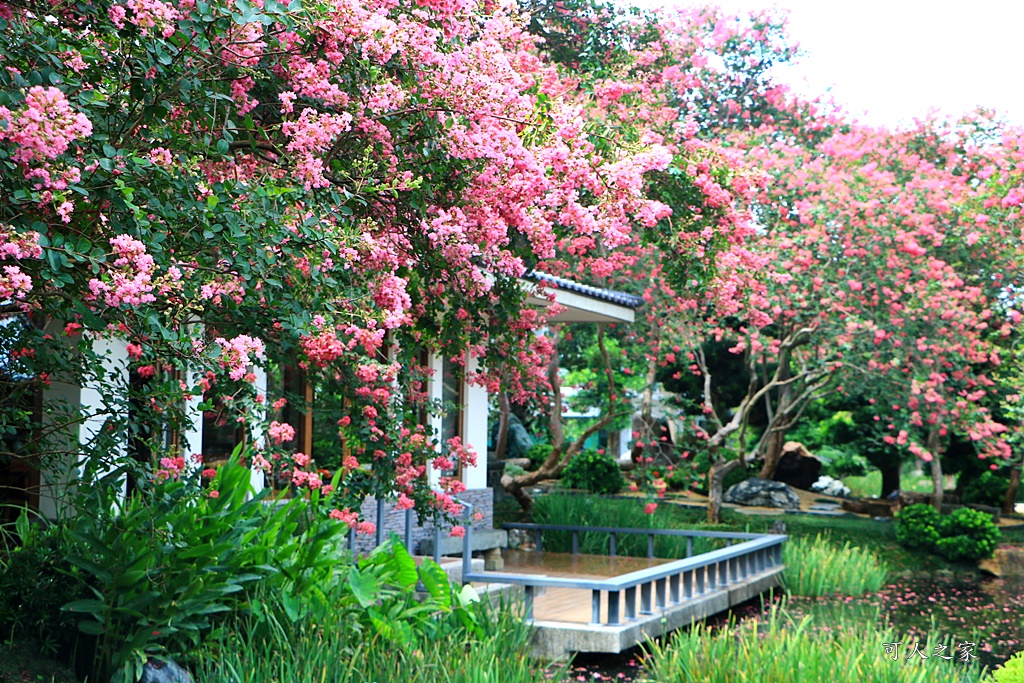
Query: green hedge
column 966, row 535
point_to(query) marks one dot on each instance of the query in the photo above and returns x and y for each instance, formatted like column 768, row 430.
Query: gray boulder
column 168, row 671
column 519, row 440
column 830, row 487
column 764, row 493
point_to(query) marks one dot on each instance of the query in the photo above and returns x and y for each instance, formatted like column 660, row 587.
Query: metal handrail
column 759, row 552
column 529, row 526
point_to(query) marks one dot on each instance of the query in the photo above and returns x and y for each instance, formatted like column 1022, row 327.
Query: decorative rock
column 1008, row 560
column 519, row 440
column 830, row 487
column 798, row 467
column 762, row 492
column 157, row 671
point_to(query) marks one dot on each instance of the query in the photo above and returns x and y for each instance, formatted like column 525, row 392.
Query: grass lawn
column 871, row 483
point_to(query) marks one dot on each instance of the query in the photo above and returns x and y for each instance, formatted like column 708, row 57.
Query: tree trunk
column 646, row 426
column 772, row 454
column 504, row 412
column 561, row 453
column 517, row 490
column 937, row 482
column 777, row 438
column 716, row 475
column 1011, row 493
column 890, row 479
column 614, row 443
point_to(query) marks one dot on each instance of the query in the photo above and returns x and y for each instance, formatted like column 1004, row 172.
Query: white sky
column 891, row 61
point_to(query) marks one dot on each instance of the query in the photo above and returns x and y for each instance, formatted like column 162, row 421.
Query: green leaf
column 93, row 628
column 363, row 586
column 436, row 582
column 405, row 574
column 94, row 607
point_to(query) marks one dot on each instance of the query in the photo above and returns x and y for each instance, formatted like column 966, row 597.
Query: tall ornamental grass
column 325, row 647
column 624, row 513
column 781, row 649
column 817, row 567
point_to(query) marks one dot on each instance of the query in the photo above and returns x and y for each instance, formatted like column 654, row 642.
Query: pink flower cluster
column 14, row 283
column 132, row 282
column 310, row 136
column 280, row 432
column 153, row 14
column 44, row 128
column 234, row 354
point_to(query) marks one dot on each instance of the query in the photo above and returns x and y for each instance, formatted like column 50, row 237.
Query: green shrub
column 817, row 567
column 917, row 527
column 513, row 470
column 840, row 462
column 968, row 536
column 538, row 453
column 36, row 580
column 988, row 489
column 593, row 471
column 1010, row 672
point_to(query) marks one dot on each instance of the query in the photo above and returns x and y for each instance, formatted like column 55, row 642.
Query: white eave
column 583, row 303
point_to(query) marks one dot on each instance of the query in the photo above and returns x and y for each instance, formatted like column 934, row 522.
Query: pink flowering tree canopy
column 332, row 187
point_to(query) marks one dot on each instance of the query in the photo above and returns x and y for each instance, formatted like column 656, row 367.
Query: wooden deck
column 563, row 616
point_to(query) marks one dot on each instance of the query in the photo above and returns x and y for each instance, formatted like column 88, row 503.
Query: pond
column 988, row 612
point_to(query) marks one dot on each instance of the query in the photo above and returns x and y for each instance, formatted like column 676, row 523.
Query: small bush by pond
column 815, row 566
column 965, row 535
column 781, row 649
column 593, row 471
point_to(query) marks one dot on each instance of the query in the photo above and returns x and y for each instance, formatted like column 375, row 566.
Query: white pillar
column 435, row 391
column 192, row 433
column 102, row 400
column 256, row 475
column 474, row 429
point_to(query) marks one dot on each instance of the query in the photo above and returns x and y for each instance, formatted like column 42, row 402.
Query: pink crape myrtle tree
column 230, row 186
column 646, row 79
column 899, row 250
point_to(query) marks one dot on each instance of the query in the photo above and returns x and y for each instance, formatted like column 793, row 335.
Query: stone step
column 483, row 539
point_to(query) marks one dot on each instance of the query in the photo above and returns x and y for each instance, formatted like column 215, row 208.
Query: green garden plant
column 917, row 527
column 1010, row 672
column 781, row 649
column 816, row 566
column 595, row 472
column 989, row 488
column 333, row 643
column 537, row 453
column 967, row 536
column 36, row 579
column 167, row 563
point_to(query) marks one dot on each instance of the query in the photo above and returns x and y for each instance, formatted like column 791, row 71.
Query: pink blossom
column 280, row 432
